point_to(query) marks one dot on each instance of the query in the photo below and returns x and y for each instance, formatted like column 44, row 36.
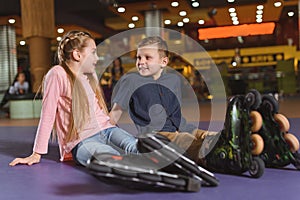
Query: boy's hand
column 112, row 122
column 115, row 114
column 30, row 160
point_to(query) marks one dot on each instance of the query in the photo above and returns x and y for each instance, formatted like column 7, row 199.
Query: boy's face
column 149, row 61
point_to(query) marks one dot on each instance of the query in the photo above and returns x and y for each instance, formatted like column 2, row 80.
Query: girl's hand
column 30, row 160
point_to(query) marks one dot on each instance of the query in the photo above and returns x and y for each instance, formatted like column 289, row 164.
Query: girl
column 116, row 72
column 21, row 86
column 73, row 102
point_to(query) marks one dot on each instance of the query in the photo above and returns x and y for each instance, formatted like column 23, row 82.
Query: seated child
column 152, row 97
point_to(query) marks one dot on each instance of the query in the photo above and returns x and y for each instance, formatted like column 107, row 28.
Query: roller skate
column 281, row 148
column 172, row 159
column 138, row 172
column 239, row 145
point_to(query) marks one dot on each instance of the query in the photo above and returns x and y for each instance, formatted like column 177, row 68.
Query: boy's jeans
column 112, row 140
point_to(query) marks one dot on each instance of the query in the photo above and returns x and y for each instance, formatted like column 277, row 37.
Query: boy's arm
column 184, row 125
column 115, row 113
column 121, row 96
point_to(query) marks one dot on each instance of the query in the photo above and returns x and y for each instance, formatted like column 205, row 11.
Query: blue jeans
column 112, row 140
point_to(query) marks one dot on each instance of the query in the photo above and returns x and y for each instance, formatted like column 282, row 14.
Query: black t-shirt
column 153, row 105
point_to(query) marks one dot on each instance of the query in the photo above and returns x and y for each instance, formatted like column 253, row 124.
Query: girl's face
column 21, row 78
column 89, row 57
column 149, row 62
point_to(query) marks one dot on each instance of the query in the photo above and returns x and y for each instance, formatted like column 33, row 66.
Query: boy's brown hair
column 156, row 40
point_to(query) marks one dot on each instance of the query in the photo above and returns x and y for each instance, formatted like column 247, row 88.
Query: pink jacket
column 56, row 107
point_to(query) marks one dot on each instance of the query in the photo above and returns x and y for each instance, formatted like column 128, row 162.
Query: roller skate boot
column 239, row 145
column 281, row 147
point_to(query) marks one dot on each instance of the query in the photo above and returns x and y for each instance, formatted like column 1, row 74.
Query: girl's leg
column 120, row 140
column 88, row 147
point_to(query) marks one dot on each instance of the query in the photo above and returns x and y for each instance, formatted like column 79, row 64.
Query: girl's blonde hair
column 80, row 112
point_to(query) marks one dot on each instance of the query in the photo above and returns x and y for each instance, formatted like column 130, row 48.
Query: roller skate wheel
column 292, row 141
column 270, row 103
column 283, row 122
column 222, row 155
column 257, row 144
column 253, row 99
column 257, row 167
column 256, row 121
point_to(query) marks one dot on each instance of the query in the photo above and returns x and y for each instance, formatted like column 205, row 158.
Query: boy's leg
column 186, row 141
column 196, row 145
column 205, row 141
column 192, row 143
column 181, row 139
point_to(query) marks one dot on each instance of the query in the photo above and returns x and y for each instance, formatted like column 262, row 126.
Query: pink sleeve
column 51, row 95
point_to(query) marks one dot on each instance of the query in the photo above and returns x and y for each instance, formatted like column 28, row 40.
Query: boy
column 153, row 98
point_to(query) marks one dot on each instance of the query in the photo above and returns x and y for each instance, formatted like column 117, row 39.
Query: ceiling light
column 131, row 25
column 259, row 16
column 60, row 30
column 22, row 42
column 235, row 22
column 233, row 14
column 260, row 7
column 234, row 18
column 182, row 13
column 259, row 12
column 180, row 24
column 195, row 4
column 186, row 20
column 135, row 18
column 258, row 20
column 201, row 21
column 231, row 10
column 11, row 21
column 234, row 63
column 167, row 21
column 121, row 9
column 174, row 4
column 230, row 1
column 291, row 13
column 58, row 39
column 277, row 4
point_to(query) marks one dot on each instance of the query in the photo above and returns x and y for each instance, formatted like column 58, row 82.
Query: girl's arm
column 51, row 95
column 53, row 87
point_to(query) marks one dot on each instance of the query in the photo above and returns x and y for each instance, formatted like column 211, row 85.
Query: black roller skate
column 238, row 146
column 138, row 172
column 172, row 159
column 280, row 147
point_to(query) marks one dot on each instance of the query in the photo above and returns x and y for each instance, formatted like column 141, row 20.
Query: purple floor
column 54, row 180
